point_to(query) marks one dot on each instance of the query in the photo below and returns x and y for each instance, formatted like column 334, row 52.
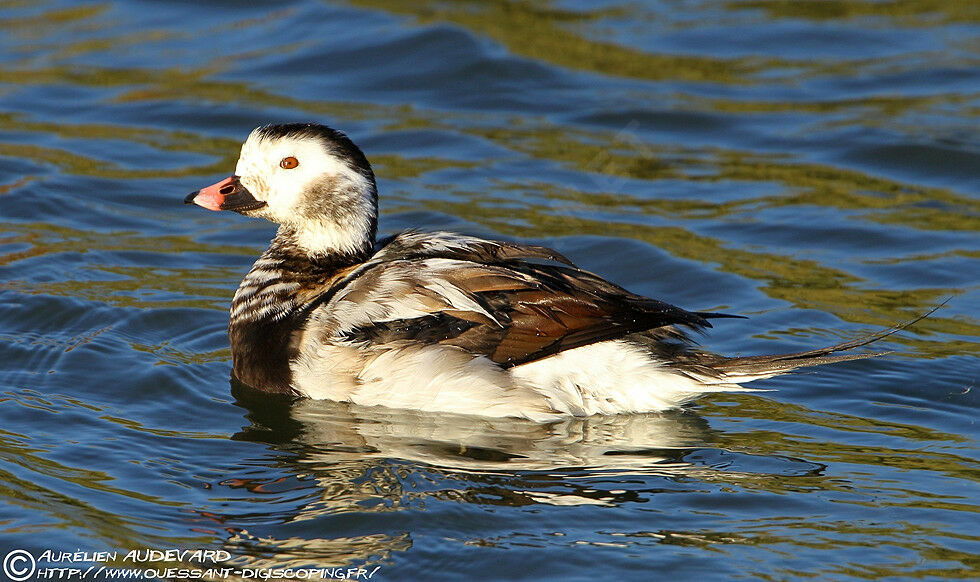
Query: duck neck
column 285, row 269
column 328, row 242
column 268, row 309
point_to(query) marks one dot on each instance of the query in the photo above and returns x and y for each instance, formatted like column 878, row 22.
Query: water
column 812, row 165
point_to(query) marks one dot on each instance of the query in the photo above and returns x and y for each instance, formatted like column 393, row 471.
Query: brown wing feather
column 485, row 297
column 412, row 244
column 535, row 312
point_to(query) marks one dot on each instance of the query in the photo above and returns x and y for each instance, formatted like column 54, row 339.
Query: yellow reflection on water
column 905, row 12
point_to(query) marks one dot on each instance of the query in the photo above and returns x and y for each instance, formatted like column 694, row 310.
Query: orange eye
column 288, row 163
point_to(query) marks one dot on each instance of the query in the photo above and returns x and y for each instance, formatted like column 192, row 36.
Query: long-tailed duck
column 440, row 321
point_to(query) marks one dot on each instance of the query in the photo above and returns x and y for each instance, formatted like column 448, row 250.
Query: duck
column 445, row 322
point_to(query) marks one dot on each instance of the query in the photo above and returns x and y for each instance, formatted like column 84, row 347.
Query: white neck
column 329, row 238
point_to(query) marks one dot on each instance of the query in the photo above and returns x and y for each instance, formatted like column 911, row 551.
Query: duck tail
column 746, row 369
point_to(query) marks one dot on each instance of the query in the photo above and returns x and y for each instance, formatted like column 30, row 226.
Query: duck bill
column 228, row 194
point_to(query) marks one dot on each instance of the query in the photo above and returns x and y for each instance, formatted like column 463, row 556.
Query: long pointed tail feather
column 746, row 369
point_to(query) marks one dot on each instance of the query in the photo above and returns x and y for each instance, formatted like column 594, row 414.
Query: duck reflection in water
column 333, row 461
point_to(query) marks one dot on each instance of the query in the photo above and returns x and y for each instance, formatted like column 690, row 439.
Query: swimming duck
column 440, row 321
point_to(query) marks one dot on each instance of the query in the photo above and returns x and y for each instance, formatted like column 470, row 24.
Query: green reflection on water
column 15, row 453
column 755, row 407
column 608, row 154
column 907, row 12
column 66, row 512
column 171, row 355
column 47, row 238
column 124, row 286
column 225, row 150
column 50, row 21
column 530, row 29
column 540, row 31
column 911, row 458
column 399, row 167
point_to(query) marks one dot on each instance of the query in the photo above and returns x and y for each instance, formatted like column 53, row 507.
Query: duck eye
column 288, row 163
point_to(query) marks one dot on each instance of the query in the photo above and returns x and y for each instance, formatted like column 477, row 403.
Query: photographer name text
column 135, row 556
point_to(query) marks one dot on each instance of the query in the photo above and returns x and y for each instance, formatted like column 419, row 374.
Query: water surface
column 811, row 165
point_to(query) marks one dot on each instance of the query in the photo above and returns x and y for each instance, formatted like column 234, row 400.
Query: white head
column 309, row 178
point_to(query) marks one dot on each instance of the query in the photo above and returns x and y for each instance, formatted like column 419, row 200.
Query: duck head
column 310, row 179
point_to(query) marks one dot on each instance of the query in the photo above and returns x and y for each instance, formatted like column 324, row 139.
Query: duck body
column 441, row 321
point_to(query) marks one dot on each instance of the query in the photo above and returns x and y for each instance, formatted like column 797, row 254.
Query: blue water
column 812, row 165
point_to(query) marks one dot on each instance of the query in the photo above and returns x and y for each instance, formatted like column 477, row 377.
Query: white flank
column 611, row 377
column 430, row 378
